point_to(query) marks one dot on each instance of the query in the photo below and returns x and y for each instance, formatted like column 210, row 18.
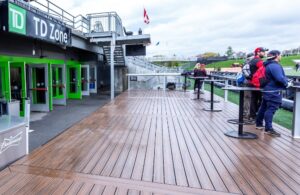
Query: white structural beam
column 112, row 66
column 127, row 40
column 296, row 117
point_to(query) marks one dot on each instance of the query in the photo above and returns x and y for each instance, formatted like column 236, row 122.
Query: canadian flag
column 146, row 17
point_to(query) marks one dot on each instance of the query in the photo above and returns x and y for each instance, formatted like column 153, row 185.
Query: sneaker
column 272, row 132
column 252, row 118
column 259, row 127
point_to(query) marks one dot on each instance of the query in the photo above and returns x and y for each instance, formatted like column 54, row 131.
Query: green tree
column 229, row 52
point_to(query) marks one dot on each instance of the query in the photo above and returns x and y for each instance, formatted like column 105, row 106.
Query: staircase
column 119, row 59
column 139, row 65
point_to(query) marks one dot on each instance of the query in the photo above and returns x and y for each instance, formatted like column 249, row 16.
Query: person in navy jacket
column 272, row 97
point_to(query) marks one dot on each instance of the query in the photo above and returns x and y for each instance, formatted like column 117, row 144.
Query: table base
column 209, row 101
column 198, row 99
column 210, row 110
column 237, row 122
column 244, row 135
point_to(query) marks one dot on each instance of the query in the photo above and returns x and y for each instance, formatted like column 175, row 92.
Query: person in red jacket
column 255, row 64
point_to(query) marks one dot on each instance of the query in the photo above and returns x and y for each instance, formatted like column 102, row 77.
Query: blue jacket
column 276, row 81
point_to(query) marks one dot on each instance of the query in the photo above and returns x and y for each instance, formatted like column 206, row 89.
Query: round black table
column 240, row 134
column 198, row 91
column 212, row 101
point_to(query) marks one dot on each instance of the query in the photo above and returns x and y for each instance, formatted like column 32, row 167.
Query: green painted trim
column 4, row 62
column 73, row 63
column 50, row 87
column 31, row 60
column 77, row 95
column 55, row 73
column 33, row 83
column 5, row 80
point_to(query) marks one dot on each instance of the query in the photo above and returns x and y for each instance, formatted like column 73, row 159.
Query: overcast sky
column 190, row 27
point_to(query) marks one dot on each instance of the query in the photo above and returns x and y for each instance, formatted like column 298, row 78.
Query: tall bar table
column 212, row 101
column 240, row 134
column 198, row 91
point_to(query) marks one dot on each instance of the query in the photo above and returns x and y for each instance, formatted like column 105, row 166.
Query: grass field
column 282, row 117
column 285, row 61
column 290, row 71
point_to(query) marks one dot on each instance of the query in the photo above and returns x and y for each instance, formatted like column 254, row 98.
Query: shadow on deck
column 156, row 142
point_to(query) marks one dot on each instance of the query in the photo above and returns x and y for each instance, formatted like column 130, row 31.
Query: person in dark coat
column 272, row 97
column 255, row 64
column 199, row 71
column 297, row 66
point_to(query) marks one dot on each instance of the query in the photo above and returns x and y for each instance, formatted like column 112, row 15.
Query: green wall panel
column 5, row 80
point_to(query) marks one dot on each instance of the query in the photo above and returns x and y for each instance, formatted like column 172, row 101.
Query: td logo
column 17, row 19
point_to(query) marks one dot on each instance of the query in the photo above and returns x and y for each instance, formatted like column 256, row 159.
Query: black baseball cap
column 259, row 49
column 273, row 54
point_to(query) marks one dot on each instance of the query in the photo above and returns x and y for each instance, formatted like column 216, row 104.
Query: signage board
column 35, row 25
column 135, row 50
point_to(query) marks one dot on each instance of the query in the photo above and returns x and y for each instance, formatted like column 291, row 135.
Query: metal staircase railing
column 97, row 22
column 136, row 61
column 119, row 59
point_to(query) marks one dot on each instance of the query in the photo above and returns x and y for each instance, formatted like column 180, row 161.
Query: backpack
column 252, row 66
column 240, row 79
column 246, row 71
column 259, row 79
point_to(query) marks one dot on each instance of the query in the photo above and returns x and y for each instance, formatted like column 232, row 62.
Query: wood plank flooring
column 156, row 142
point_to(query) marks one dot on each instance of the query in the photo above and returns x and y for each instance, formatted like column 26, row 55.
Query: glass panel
column 84, row 79
column 60, row 80
column 92, row 78
column 40, row 85
column 16, row 85
column 2, row 83
column 73, row 80
column 54, row 83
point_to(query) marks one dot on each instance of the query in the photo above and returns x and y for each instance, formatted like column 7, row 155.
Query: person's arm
column 278, row 74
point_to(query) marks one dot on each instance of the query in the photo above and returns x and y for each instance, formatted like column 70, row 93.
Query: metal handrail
column 110, row 22
column 148, row 65
column 79, row 22
column 51, row 8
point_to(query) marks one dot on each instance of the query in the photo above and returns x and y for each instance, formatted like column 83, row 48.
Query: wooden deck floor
column 155, row 142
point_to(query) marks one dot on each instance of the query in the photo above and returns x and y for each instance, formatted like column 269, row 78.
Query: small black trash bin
column 171, row 86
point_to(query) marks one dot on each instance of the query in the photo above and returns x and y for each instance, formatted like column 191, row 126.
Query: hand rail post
column 165, row 83
column 128, row 82
column 226, row 91
column 48, row 7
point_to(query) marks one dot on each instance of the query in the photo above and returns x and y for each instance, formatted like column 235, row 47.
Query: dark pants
column 198, row 84
column 266, row 112
column 256, row 97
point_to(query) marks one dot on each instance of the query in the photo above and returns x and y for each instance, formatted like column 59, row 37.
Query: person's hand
column 290, row 83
